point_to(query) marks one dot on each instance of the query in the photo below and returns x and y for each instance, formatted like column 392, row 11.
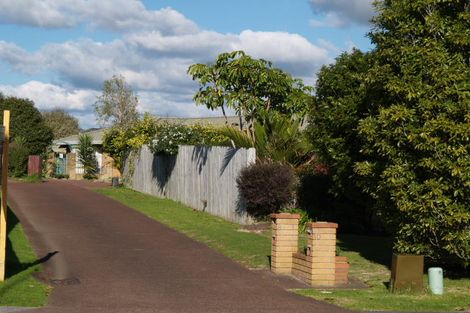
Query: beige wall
column 107, row 171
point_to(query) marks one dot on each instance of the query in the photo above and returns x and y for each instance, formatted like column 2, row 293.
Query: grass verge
column 249, row 249
column 369, row 257
column 20, row 288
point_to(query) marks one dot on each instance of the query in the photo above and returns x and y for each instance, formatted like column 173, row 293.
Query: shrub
column 119, row 142
column 170, row 136
column 18, row 158
column 86, row 155
column 266, row 188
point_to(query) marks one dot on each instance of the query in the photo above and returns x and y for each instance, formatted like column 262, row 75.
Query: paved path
column 106, row 257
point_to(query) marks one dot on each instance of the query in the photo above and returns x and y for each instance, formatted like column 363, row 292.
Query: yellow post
column 4, row 205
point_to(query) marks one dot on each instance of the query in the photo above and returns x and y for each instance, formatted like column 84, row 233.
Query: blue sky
column 58, row 52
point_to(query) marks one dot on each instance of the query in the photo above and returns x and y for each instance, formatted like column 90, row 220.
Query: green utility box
column 407, row 273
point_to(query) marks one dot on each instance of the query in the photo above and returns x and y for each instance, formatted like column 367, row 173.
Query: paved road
column 106, row 257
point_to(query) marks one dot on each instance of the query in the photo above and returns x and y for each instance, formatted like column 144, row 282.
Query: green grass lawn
column 20, row 288
column 369, row 257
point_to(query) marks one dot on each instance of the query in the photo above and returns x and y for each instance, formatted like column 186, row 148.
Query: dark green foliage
column 18, row 158
column 395, row 124
column 26, row 121
column 418, row 144
column 266, row 188
column 343, row 98
column 315, row 197
column 86, row 155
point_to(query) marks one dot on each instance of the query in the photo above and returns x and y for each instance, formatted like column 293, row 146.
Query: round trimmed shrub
column 266, row 188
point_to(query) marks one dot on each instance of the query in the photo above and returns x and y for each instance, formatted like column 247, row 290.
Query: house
column 64, row 161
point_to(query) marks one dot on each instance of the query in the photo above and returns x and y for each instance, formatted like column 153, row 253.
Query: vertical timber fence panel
column 201, row 177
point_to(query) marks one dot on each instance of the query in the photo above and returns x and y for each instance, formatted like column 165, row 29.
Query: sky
column 58, row 53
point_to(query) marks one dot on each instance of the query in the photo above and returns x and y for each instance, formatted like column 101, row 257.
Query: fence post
column 4, row 203
column 285, row 238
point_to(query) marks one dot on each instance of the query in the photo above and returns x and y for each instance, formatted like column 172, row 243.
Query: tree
column 61, row 122
column 86, row 155
column 395, row 123
column 417, row 145
column 342, row 99
column 118, row 104
column 27, row 122
column 252, row 87
column 18, row 158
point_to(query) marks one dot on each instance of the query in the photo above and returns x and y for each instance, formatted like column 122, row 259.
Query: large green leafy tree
column 61, row 122
column 251, row 87
column 418, row 144
column 342, row 99
column 27, row 122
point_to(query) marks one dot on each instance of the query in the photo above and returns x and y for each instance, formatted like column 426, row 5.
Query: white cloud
column 291, row 52
column 153, row 55
column 341, row 13
column 18, row 58
column 329, row 46
column 167, row 105
column 86, row 119
column 203, row 44
column 115, row 15
column 152, row 61
column 49, row 96
column 45, row 13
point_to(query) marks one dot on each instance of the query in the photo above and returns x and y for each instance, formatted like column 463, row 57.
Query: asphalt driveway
column 106, row 257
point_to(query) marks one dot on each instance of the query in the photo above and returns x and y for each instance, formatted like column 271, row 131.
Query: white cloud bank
column 114, row 15
column 153, row 53
column 49, row 96
column 342, row 13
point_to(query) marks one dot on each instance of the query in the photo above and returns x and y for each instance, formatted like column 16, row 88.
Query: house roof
column 96, row 138
column 213, row 120
column 97, row 134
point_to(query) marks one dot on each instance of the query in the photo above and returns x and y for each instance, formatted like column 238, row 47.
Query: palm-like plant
column 277, row 138
column 86, row 155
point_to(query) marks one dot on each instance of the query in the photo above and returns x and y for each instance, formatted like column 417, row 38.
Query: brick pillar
column 285, row 238
column 321, row 246
column 341, row 270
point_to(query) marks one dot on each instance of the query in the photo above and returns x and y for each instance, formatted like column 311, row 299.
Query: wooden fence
column 201, row 177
